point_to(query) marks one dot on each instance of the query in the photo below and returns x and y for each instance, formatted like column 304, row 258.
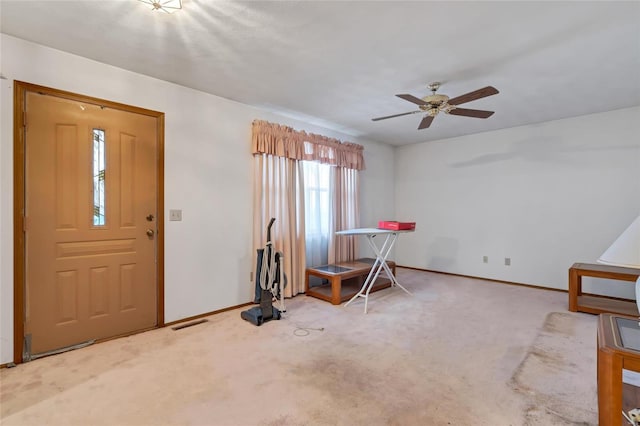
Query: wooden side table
column 600, row 304
column 618, row 349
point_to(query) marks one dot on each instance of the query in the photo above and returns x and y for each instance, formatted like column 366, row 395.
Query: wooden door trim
column 19, row 96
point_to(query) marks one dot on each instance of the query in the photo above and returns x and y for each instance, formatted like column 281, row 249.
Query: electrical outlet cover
column 175, row 215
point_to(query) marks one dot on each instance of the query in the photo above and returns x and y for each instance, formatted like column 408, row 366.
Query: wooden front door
column 90, row 222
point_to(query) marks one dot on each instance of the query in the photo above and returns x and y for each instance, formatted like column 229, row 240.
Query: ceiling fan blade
column 413, row 99
column 396, row 115
column 472, row 96
column 426, row 122
column 477, row 113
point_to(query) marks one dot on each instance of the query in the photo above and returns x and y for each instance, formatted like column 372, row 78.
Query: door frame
column 19, row 188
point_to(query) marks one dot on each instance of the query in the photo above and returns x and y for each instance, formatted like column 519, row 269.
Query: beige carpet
column 549, row 374
column 459, row 352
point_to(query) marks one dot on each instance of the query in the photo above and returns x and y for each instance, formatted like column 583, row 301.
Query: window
column 99, row 160
column 309, row 196
column 317, row 210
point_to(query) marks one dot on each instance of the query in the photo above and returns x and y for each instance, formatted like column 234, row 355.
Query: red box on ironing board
column 396, row 226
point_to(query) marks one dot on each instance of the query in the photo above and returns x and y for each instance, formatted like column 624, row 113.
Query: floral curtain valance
column 284, row 141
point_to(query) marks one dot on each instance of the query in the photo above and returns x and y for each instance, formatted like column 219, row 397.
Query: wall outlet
column 175, row 215
column 507, row 261
column 485, row 259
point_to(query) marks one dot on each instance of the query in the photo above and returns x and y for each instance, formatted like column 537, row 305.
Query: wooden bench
column 344, row 279
column 595, row 304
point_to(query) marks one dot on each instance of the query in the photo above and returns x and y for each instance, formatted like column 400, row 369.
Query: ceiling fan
column 433, row 104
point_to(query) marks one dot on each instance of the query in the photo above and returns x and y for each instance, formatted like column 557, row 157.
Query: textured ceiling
column 339, row 63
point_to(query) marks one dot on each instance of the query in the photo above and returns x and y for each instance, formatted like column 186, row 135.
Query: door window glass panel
column 99, row 161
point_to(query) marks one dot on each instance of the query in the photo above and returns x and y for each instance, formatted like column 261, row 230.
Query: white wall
column 208, row 174
column 545, row 195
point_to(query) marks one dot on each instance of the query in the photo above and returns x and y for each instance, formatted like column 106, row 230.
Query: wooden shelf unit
column 343, row 285
column 595, row 304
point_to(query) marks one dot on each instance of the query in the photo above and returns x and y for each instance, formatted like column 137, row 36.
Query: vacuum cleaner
column 270, row 283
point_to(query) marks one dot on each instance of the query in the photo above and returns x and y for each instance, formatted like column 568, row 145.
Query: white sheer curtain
column 331, row 204
column 318, row 211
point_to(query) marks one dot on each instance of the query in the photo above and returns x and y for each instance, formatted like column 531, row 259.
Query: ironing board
column 380, row 263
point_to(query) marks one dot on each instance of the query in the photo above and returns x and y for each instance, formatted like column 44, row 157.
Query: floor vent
column 189, row 324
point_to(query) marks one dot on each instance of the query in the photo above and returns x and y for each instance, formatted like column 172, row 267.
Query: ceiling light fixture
column 167, row 6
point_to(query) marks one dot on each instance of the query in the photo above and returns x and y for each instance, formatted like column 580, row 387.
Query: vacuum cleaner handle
column 273, row 219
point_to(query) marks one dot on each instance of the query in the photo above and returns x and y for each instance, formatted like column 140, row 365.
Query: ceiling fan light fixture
column 436, row 99
column 447, row 108
column 167, row 6
column 434, row 103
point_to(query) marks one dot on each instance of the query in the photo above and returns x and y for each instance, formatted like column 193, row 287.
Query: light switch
column 175, row 215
